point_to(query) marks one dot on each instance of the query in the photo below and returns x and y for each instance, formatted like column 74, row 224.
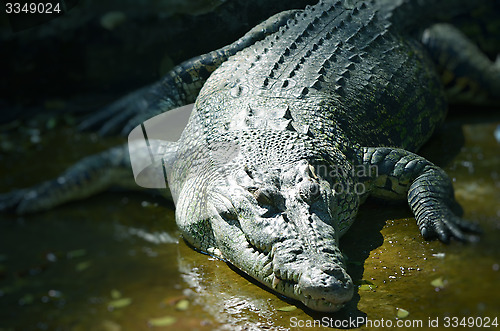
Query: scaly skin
column 289, row 134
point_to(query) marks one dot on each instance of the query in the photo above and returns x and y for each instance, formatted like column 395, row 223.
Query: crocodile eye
column 226, row 214
column 263, row 196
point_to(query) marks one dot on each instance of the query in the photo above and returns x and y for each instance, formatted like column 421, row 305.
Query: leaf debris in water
column 174, row 300
column 438, row 282
column 182, row 305
column 83, row 266
column 366, row 287
column 402, row 313
column 115, row 294
column 162, row 321
column 287, row 308
column 119, row 303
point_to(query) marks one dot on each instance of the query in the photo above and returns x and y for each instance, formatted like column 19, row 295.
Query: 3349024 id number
column 471, row 322
column 32, row 8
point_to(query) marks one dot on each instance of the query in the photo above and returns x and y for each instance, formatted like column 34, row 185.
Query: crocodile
column 293, row 126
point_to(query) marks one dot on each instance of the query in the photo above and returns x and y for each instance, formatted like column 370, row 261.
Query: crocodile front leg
column 427, row 188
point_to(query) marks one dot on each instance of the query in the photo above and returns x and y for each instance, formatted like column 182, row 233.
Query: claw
column 444, row 225
column 443, row 237
column 425, row 233
column 276, row 281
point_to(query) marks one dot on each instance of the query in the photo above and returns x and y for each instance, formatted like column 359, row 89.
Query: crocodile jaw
column 320, row 282
column 314, row 276
column 285, row 236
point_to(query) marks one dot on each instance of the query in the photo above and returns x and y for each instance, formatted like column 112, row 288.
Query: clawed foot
column 444, row 225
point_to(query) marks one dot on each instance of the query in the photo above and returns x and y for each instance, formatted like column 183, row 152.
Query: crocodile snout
column 320, row 280
column 327, row 287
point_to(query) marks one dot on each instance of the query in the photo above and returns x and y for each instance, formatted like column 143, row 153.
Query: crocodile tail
column 412, row 15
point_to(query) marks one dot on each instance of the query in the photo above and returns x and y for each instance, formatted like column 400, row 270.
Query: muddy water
column 117, row 262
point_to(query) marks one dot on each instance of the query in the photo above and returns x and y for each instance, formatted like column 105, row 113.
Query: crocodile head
column 279, row 225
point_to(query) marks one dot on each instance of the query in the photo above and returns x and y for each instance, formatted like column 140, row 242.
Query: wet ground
column 117, row 262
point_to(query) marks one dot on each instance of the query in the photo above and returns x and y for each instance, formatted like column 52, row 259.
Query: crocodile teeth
column 268, row 269
column 215, row 252
column 276, row 281
column 273, row 250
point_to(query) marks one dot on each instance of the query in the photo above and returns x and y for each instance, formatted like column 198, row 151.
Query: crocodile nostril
column 264, row 196
column 333, row 285
column 334, row 271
